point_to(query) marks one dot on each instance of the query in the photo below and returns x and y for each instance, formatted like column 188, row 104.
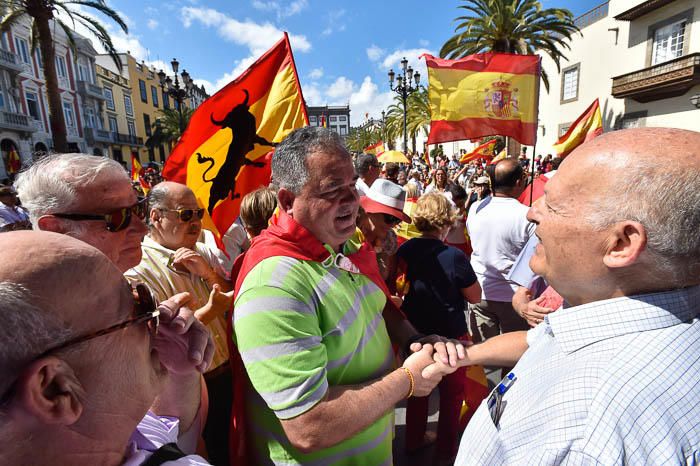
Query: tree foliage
column 511, row 26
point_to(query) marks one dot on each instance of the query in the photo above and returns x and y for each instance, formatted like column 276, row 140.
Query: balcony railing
column 89, row 89
column 10, row 61
column 16, row 121
column 668, row 79
column 72, row 131
column 93, row 135
column 592, row 16
column 122, row 138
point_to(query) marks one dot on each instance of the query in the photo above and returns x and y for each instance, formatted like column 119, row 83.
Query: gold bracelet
column 411, row 382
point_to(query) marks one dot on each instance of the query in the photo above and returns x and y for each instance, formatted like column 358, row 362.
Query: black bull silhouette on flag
column 243, row 128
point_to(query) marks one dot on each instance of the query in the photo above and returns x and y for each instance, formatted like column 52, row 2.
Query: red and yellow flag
column 137, row 173
column 586, row 127
column 226, row 150
column 376, row 149
column 484, row 151
column 483, row 95
column 14, row 162
column 501, row 155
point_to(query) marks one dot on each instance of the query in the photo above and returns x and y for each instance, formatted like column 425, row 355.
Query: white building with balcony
column 641, row 59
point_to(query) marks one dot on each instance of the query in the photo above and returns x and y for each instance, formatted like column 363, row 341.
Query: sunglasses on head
column 186, row 215
column 117, row 220
column 391, row 220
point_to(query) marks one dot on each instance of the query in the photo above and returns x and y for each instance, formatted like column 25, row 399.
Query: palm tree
column 41, row 13
column 166, row 128
column 511, row 26
column 362, row 136
column 417, row 118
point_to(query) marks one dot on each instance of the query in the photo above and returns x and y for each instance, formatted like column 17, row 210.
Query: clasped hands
column 432, row 357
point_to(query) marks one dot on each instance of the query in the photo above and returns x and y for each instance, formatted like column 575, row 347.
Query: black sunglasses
column 144, row 311
column 391, row 220
column 186, row 215
column 117, row 220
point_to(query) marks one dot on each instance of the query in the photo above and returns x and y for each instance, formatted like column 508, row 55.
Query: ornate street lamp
column 404, row 87
column 179, row 93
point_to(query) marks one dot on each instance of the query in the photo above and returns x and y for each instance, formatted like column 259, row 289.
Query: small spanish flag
column 137, row 173
column 484, row 151
column 376, row 149
column 226, row 150
column 483, row 95
column 586, row 127
column 501, row 155
column 14, row 162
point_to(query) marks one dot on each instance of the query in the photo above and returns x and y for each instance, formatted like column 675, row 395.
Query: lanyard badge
column 495, row 401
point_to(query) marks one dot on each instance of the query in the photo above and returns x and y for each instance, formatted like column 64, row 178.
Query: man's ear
column 51, row 223
column 154, row 215
column 626, row 242
column 49, row 391
column 285, row 199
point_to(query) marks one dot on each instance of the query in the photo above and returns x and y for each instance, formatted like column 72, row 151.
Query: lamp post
column 404, row 87
column 173, row 89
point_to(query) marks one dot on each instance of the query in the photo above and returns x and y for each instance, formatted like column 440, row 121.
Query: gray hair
column 665, row 199
column 53, row 183
column 289, row 170
column 26, row 331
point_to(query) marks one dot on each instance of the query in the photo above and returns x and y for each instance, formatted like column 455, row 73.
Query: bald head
column 508, row 177
column 167, row 227
column 650, row 176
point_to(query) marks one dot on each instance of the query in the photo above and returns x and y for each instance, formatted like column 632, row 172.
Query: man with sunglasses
column 368, row 168
column 172, row 262
column 90, row 198
column 83, row 357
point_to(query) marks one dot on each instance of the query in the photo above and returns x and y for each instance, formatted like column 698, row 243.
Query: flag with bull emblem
column 226, row 150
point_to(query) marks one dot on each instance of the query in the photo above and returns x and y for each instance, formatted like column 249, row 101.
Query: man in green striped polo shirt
column 309, row 326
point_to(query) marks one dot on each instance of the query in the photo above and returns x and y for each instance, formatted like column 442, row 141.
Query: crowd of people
column 347, row 286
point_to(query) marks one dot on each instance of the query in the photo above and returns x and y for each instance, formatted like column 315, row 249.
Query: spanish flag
column 484, row 151
column 137, row 173
column 483, row 95
column 226, row 150
column 586, row 127
column 501, row 155
column 376, row 149
column 14, row 162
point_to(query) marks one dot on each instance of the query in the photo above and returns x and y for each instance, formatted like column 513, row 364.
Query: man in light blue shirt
column 613, row 379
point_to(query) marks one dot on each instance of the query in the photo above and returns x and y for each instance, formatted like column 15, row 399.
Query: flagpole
column 537, row 114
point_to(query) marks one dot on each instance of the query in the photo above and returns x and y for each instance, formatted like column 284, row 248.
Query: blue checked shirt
column 610, row 382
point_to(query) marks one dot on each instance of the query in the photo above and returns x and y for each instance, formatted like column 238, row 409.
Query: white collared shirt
column 610, row 382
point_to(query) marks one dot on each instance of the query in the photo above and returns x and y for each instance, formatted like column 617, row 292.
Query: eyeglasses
column 186, row 215
column 144, row 312
column 391, row 220
column 117, row 220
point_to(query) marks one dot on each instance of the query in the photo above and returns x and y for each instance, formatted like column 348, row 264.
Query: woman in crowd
column 439, row 279
column 457, row 236
column 440, row 182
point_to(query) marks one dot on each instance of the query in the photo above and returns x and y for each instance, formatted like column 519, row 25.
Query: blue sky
column 343, row 50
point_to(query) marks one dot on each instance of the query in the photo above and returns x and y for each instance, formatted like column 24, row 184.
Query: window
column 142, row 88
column 39, row 59
column 166, row 100
column 2, row 100
column 22, row 49
column 569, row 83
column 312, row 119
column 113, row 126
column 127, row 105
column 61, row 69
column 83, row 72
column 131, row 127
column 68, row 113
column 147, row 124
column 334, row 128
column 343, row 130
column 90, row 119
column 342, row 118
column 109, row 96
column 33, row 105
column 668, row 42
column 563, row 128
column 334, row 118
column 154, row 95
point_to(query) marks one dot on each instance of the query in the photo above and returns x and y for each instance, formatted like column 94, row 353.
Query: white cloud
column 281, row 9
column 368, row 100
column 423, row 43
column 393, row 61
column 374, row 52
column 316, row 73
column 313, row 95
column 152, row 24
column 257, row 37
column 340, row 90
column 333, row 22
